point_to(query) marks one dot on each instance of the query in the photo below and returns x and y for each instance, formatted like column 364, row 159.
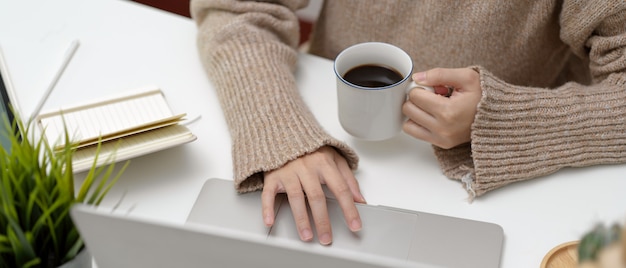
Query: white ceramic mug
column 373, row 113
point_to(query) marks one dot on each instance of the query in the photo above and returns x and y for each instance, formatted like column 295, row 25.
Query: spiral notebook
column 127, row 126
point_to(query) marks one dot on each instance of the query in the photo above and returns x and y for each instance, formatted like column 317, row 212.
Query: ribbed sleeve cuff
column 269, row 123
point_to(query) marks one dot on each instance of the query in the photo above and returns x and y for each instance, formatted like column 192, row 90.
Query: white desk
column 126, row 45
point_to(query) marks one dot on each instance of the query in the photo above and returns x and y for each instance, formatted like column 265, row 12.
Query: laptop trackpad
column 385, row 232
column 218, row 204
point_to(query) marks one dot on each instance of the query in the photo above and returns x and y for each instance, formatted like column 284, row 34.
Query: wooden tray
column 561, row 256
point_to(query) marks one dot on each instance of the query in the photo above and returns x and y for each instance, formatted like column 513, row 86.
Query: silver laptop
column 225, row 229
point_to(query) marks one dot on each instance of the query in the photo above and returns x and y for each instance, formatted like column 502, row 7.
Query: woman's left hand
column 443, row 121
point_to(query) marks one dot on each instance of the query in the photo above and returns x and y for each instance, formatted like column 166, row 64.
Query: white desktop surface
column 125, row 45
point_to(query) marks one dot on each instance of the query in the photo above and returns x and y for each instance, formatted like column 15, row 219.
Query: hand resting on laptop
column 302, row 180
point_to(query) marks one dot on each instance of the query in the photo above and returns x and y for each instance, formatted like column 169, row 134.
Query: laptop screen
column 6, row 114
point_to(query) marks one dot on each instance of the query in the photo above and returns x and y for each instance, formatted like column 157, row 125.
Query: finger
column 350, row 179
column 456, row 78
column 297, row 203
column 438, row 108
column 319, row 211
column 421, row 108
column 417, row 131
column 343, row 193
column 268, row 197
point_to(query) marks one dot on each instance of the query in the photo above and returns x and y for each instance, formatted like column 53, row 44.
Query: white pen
column 66, row 60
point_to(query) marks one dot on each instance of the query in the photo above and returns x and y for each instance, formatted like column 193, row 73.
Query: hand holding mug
column 444, row 122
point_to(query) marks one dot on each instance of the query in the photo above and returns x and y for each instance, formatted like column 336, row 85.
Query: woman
column 538, row 86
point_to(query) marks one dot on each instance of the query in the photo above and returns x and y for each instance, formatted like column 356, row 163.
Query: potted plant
column 36, row 192
column 603, row 247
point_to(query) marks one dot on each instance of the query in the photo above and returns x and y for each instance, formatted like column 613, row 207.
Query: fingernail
column 268, row 220
column 325, row 239
column 306, row 235
column 355, row 225
column 443, row 91
column 419, row 76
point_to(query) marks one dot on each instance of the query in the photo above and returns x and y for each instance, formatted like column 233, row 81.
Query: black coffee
column 371, row 75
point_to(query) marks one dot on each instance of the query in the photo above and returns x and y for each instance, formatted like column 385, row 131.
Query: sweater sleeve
column 249, row 52
column 521, row 133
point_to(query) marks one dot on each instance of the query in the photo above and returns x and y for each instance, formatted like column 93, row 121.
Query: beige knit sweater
column 553, row 75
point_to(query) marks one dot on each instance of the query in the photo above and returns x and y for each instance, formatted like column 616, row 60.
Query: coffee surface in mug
column 372, row 76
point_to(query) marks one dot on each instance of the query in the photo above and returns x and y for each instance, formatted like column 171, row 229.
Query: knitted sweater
column 553, row 78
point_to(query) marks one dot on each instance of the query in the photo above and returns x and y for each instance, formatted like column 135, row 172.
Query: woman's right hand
column 302, row 179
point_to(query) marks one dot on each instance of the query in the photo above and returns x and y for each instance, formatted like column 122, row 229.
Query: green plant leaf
column 23, row 250
column 5, row 245
column 36, row 193
column 74, row 249
column 32, row 263
column 110, row 185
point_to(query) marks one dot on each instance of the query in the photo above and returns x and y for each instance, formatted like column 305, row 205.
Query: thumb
column 441, row 78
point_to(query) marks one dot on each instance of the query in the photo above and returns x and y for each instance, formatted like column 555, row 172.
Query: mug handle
column 414, row 85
